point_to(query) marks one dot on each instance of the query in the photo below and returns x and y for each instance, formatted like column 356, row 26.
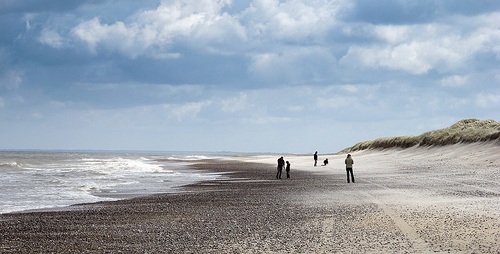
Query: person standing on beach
column 348, row 167
column 281, row 164
column 316, row 158
column 287, row 169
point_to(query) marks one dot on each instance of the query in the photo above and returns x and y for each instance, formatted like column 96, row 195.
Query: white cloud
column 417, row 49
column 294, row 64
column 220, row 33
column 131, row 41
column 358, row 97
column 336, row 102
column 350, row 88
column 161, row 55
column 490, row 100
column 295, row 108
column 178, row 18
column 457, row 103
column 186, row 111
column 413, row 57
column 151, row 32
column 295, row 19
column 51, row 38
column 455, row 81
column 486, row 39
column 392, row 34
column 27, row 19
column 264, row 120
column 236, row 103
column 204, row 24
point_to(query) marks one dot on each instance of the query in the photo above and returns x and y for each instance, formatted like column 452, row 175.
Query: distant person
column 287, row 169
column 281, row 164
column 348, row 167
column 316, row 158
column 325, row 162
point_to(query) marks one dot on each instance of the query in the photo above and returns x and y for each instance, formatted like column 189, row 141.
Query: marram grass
column 464, row 131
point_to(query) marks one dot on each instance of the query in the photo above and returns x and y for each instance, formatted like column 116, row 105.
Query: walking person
column 287, row 169
column 316, row 158
column 281, row 164
column 348, row 167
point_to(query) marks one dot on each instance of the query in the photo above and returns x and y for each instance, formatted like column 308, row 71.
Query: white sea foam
column 36, row 180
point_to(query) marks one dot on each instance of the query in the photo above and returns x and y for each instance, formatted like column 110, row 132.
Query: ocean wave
column 10, row 165
column 32, row 180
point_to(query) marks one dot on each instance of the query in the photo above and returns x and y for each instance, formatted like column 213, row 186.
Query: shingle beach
column 444, row 200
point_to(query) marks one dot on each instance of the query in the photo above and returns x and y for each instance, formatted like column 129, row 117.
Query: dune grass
column 464, row 131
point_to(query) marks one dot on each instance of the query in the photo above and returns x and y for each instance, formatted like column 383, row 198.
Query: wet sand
column 412, row 201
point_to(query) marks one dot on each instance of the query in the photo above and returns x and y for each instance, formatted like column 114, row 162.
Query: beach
column 415, row 200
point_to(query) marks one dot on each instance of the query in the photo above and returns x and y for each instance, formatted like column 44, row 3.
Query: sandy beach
column 416, row 200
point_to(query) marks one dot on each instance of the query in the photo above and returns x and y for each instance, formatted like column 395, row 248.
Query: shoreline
column 435, row 205
column 173, row 175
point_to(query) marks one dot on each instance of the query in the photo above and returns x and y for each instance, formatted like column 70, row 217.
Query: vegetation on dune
column 464, row 131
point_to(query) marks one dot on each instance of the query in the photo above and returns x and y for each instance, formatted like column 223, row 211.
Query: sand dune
column 464, row 131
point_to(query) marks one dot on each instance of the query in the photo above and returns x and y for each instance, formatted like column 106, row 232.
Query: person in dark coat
column 325, row 162
column 316, row 158
column 281, row 164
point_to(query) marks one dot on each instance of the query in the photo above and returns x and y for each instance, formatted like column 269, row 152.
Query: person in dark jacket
column 316, row 158
column 325, row 162
column 281, row 164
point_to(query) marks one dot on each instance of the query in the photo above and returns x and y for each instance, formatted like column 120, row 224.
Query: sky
column 278, row 76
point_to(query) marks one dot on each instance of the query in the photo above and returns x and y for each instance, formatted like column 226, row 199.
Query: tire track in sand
column 419, row 244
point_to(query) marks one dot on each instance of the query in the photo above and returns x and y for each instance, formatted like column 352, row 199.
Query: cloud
column 337, row 102
column 455, row 81
column 130, row 41
column 265, row 120
column 292, row 65
column 252, row 70
column 418, row 49
column 10, row 85
column 51, row 38
column 152, row 32
column 415, row 57
column 351, row 88
column 206, row 25
column 291, row 20
column 186, row 111
column 236, row 103
column 393, row 34
column 490, row 100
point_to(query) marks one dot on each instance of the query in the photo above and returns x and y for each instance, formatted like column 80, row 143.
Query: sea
column 33, row 180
